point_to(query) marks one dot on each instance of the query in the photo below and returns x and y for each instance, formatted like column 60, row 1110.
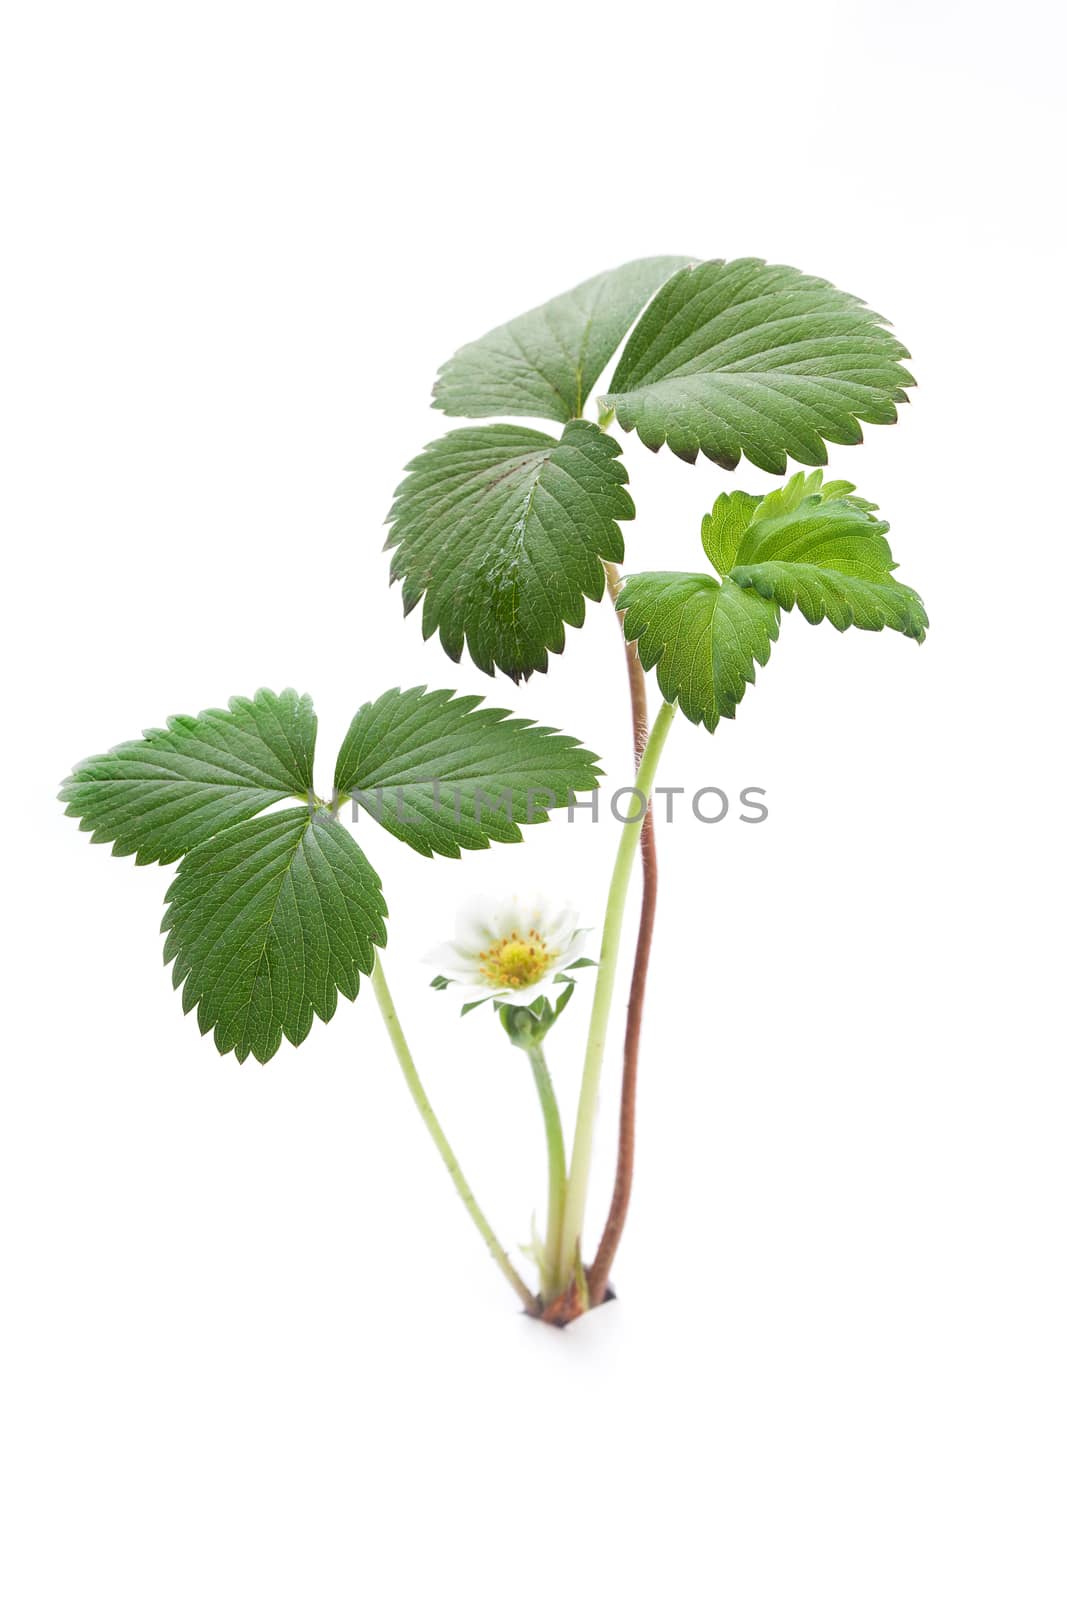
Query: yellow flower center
column 517, row 960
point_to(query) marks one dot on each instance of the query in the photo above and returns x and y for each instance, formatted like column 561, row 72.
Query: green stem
column 448, row 1156
column 553, row 1280
column 582, row 1150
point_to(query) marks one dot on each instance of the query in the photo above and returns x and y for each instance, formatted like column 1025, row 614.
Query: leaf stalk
column 582, row 1148
column 600, row 1271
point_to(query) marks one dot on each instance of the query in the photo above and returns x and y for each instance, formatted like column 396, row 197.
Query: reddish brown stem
column 624, row 1167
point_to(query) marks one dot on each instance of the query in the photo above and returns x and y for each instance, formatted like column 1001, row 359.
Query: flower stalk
column 552, row 1278
column 526, row 1027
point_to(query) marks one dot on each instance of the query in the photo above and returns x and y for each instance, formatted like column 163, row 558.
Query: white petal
column 474, row 925
column 484, row 920
column 531, row 911
column 574, row 947
column 508, row 914
column 463, row 977
column 559, row 927
column 464, row 993
column 444, row 955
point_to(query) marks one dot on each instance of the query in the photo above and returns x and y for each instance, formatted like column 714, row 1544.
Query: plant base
column 570, row 1305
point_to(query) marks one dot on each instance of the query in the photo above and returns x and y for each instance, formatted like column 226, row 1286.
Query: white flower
column 509, row 949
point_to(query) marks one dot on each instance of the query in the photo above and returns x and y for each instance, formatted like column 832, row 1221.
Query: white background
column 252, row 1345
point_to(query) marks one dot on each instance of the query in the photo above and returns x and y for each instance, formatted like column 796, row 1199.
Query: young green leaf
column 267, row 922
column 819, row 548
column 724, row 527
column 160, row 795
column 703, row 637
column 737, row 357
column 811, row 545
column 447, row 774
column 727, row 523
column 504, row 531
column 846, row 601
column 545, row 363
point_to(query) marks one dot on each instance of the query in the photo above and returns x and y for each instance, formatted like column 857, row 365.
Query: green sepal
column 528, row 1025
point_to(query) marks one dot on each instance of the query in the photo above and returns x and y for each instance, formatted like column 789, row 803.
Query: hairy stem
column 436, row 1132
column 582, row 1150
column 557, row 1171
column 624, row 1165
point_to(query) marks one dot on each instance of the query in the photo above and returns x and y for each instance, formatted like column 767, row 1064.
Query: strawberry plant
column 503, row 533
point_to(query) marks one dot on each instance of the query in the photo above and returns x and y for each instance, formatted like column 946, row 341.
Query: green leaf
column 739, row 357
column 504, row 531
column 729, row 520
column 545, row 363
column 808, row 544
column 703, row 637
column 160, row 795
column 847, row 602
column 819, row 548
column 724, row 527
column 267, row 922
column 447, row 774
column 271, row 917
